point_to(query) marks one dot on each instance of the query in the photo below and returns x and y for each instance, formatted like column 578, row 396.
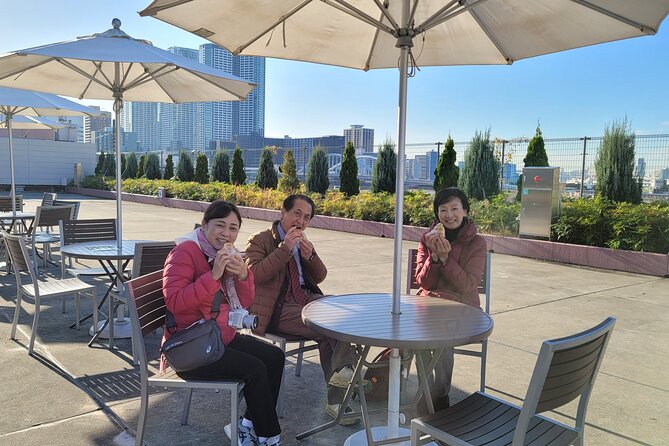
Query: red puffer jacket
column 189, row 289
column 459, row 277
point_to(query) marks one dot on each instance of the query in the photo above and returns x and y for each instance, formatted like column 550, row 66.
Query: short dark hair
column 446, row 195
column 289, row 202
column 221, row 209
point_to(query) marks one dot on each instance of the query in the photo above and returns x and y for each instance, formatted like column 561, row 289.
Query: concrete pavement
column 69, row 394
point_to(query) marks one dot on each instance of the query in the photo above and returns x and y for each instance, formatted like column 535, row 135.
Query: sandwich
column 439, row 229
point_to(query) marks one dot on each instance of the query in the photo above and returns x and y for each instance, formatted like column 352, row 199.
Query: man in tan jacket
column 287, row 271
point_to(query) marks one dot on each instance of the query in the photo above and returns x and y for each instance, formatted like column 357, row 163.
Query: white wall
column 44, row 163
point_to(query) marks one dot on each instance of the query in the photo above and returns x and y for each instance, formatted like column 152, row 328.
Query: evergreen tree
column 317, row 172
column 447, row 172
column 615, row 164
column 536, row 157
column 101, row 162
column 141, row 166
column 152, row 166
column 349, row 183
column 238, row 175
column 480, row 176
column 123, row 164
column 289, row 182
column 385, row 167
column 267, row 177
column 109, row 165
column 201, row 169
column 130, row 166
column 185, row 167
column 220, row 167
column 169, row 168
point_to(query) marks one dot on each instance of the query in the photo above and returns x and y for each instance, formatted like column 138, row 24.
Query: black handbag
column 197, row 345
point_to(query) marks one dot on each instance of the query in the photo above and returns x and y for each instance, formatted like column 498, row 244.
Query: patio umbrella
column 113, row 65
column 369, row 34
column 15, row 102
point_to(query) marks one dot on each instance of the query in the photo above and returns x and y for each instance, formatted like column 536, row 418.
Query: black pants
column 260, row 366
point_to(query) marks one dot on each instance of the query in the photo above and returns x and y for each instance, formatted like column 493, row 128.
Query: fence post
column 585, row 143
column 501, row 176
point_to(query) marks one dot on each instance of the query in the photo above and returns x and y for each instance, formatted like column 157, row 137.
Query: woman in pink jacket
column 204, row 262
column 449, row 265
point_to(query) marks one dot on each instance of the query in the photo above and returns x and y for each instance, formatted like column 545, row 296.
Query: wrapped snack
column 231, row 248
column 439, row 229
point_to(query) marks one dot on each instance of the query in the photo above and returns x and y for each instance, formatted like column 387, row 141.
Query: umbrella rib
column 386, row 13
column 447, row 15
column 152, row 11
column 372, row 47
column 641, row 27
column 22, row 70
column 358, row 14
column 491, row 37
column 147, row 76
column 445, row 9
column 283, row 18
column 241, row 98
column 82, row 72
column 127, row 73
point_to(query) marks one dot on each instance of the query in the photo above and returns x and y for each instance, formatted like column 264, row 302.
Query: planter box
column 592, row 256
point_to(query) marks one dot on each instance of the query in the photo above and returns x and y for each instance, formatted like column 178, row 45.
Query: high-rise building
column 195, row 125
column 96, row 123
column 641, row 168
column 362, row 138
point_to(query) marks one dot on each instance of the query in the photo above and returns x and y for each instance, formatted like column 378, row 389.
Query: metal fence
column 575, row 157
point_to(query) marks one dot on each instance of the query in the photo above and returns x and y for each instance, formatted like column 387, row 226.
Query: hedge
column 589, row 221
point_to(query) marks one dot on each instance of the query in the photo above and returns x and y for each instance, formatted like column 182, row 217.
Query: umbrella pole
column 118, row 106
column 404, row 43
column 12, row 192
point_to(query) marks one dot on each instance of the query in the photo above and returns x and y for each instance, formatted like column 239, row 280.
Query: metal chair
column 565, row 370
column 147, row 313
column 80, row 231
column 48, row 198
column 37, row 289
column 483, row 288
column 6, row 203
column 149, row 257
column 75, row 204
column 47, row 217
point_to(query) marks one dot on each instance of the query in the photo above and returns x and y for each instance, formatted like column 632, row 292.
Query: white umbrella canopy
column 30, row 123
column 113, row 65
column 368, row 34
column 23, row 103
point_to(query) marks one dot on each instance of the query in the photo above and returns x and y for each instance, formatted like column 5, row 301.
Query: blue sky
column 573, row 93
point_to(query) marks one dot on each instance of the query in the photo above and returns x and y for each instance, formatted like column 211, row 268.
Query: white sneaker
column 342, row 377
column 247, row 436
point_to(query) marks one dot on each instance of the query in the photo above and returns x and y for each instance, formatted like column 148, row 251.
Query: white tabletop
column 101, row 250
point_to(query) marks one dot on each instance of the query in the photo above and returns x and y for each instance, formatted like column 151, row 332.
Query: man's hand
column 306, row 248
column 237, row 267
column 293, row 236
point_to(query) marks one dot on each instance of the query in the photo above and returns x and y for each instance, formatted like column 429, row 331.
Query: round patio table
column 9, row 219
column 424, row 323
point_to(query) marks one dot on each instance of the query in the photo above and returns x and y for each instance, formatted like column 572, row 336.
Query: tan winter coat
column 267, row 257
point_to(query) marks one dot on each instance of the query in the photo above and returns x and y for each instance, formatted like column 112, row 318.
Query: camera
column 241, row 318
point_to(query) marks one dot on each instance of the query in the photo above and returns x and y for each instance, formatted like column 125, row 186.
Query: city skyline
column 572, row 93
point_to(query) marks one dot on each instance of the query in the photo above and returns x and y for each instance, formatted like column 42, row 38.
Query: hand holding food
column 439, row 229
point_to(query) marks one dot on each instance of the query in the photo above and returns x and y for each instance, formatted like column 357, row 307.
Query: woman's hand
column 439, row 247
column 220, row 263
column 237, row 267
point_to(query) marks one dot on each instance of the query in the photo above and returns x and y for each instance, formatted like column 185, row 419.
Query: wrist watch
column 311, row 257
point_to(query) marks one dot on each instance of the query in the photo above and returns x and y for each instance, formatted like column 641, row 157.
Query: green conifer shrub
column 220, row 167
column 141, row 166
column 201, row 169
column 447, row 172
column 349, row 183
column 480, row 176
column 385, row 167
column 615, row 164
column 289, row 182
column 238, row 175
column 169, row 168
column 317, row 172
column 185, row 171
column 267, row 177
column 536, row 157
column 100, row 165
column 131, row 166
column 152, row 166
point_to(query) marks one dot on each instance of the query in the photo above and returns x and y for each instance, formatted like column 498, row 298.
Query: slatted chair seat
column 484, row 290
column 81, row 231
column 45, row 218
column 565, row 370
column 147, row 313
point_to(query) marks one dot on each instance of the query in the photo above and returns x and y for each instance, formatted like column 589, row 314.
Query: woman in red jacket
column 450, row 261
column 204, row 262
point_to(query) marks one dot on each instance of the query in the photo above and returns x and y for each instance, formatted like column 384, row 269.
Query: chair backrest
column 47, row 216
column 80, row 231
column 150, row 257
column 6, row 203
column 19, row 257
column 565, row 370
column 48, row 198
column 147, row 311
column 75, row 204
column 484, row 284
